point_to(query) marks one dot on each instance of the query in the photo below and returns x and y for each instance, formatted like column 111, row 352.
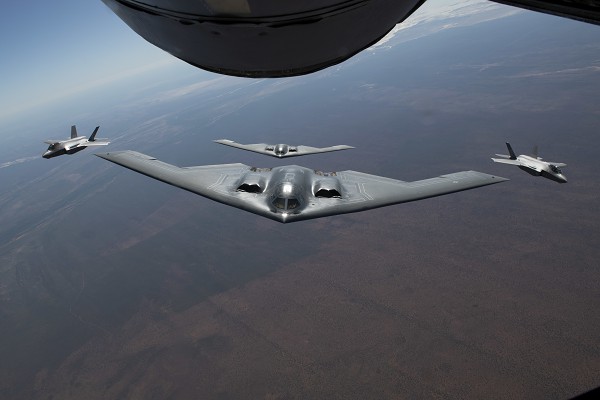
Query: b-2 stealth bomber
column 73, row 145
column 533, row 165
column 293, row 193
column 281, row 150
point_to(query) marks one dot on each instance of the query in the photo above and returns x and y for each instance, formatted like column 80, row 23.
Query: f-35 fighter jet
column 293, row 193
column 533, row 165
column 281, row 150
column 73, row 145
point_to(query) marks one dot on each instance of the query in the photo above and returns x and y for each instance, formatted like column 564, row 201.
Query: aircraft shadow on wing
column 533, row 165
column 294, row 193
column 72, row 145
column 282, row 150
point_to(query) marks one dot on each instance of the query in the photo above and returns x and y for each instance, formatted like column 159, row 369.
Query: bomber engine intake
column 252, row 183
column 327, row 188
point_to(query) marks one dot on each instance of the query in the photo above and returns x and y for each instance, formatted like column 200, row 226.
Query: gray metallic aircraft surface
column 293, row 193
column 282, row 150
column 533, row 165
column 73, row 145
column 270, row 38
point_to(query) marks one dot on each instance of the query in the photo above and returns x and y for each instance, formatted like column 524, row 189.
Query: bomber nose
column 281, row 150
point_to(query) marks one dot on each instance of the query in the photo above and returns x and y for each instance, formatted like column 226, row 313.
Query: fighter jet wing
column 291, row 151
column 80, row 144
column 506, row 161
column 51, row 141
column 362, row 191
column 95, row 143
column 557, row 164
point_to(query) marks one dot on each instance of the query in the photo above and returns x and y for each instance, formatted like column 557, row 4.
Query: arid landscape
column 117, row 286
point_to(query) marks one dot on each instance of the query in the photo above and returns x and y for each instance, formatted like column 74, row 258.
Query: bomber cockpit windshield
column 281, row 149
column 284, row 204
column 285, row 198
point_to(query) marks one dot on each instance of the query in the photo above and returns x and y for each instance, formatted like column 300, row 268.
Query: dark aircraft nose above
column 278, row 38
column 263, row 38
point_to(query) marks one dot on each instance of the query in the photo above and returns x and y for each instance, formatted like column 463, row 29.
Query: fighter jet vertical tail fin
column 93, row 136
column 73, row 132
column 510, row 151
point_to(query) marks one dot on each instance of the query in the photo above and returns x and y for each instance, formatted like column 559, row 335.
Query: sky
column 54, row 49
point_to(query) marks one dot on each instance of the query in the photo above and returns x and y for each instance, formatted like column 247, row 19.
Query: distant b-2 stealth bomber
column 281, row 150
column 533, row 165
column 73, row 145
column 293, row 193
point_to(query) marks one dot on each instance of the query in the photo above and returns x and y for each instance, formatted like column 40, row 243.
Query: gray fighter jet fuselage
column 72, row 145
column 294, row 193
column 533, row 165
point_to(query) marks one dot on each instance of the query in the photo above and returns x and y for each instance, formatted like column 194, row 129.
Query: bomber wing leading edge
column 282, row 150
column 293, row 193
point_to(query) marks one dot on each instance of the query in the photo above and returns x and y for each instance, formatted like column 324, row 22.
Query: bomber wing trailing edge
column 282, row 150
column 293, row 193
column 72, row 145
column 533, row 165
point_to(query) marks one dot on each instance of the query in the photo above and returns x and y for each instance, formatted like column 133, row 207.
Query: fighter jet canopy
column 262, row 38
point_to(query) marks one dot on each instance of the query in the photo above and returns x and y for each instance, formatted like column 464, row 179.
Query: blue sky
column 53, row 49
